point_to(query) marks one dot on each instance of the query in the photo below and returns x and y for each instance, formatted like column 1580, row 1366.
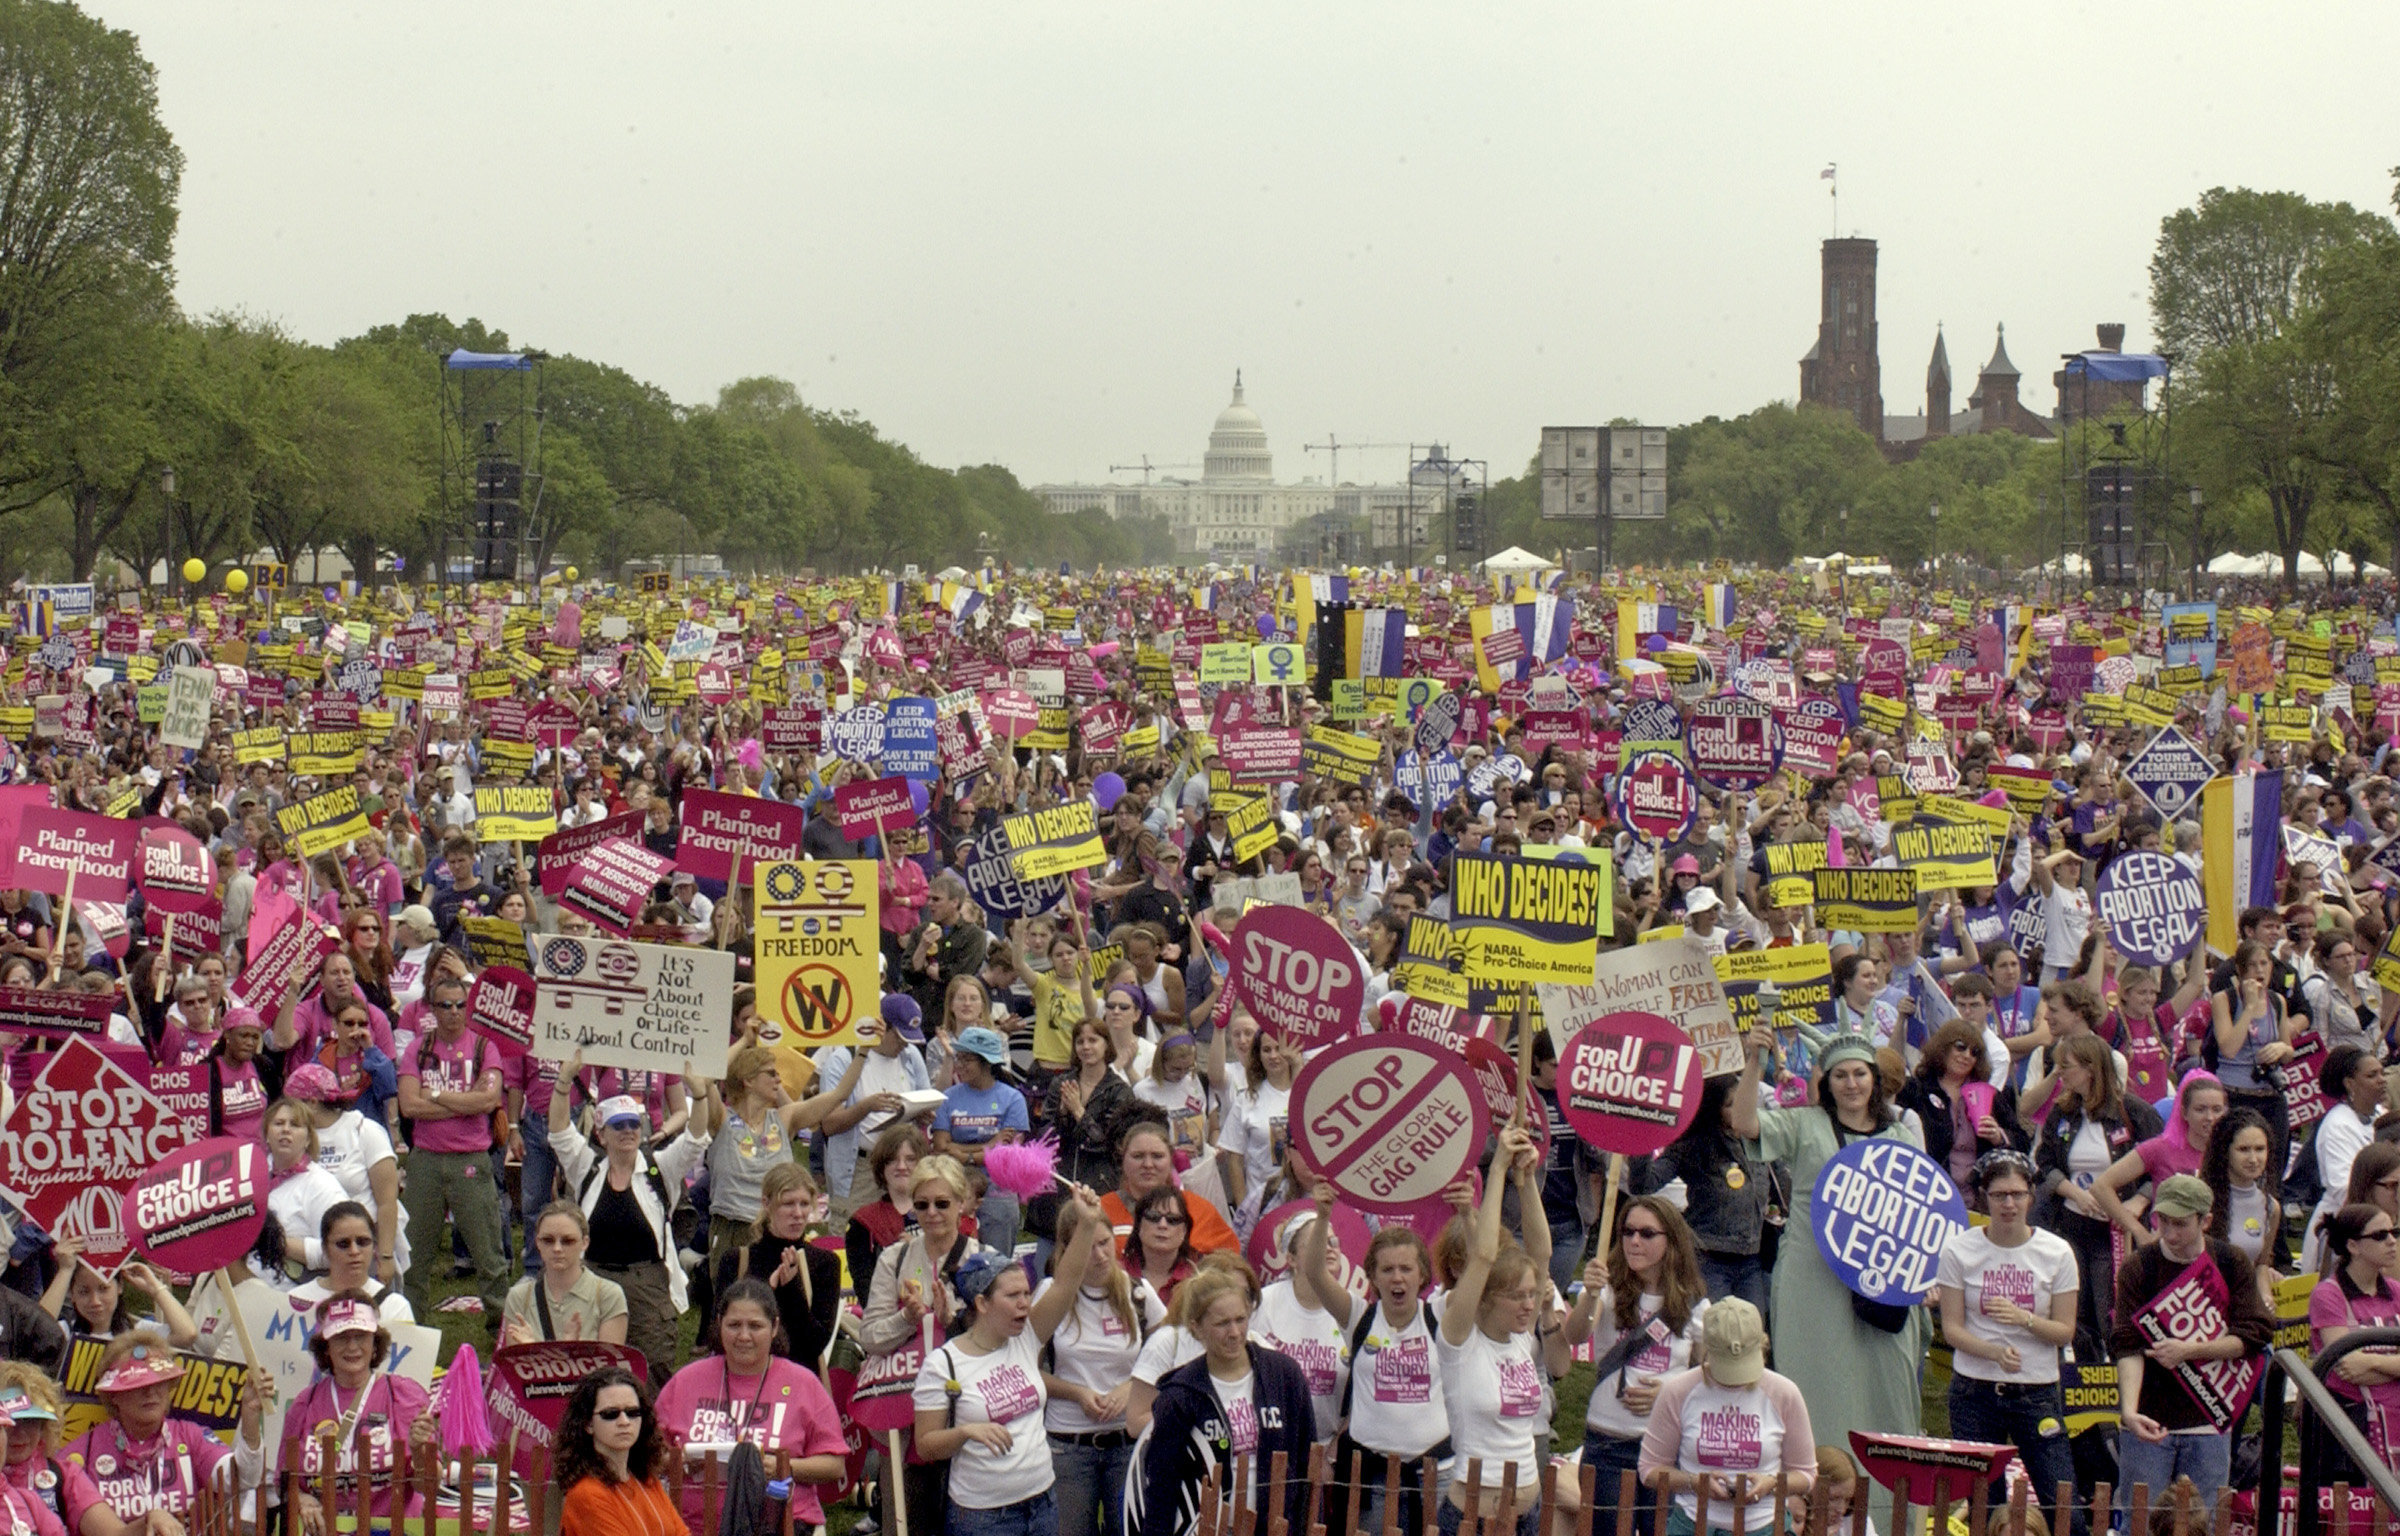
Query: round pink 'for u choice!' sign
column 1388, row 1120
column 201, row 1209
column 1630, row 1082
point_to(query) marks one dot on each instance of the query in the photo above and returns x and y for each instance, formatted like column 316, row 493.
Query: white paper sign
column 1675, row 978
column 650, row 1007
column 189, row 693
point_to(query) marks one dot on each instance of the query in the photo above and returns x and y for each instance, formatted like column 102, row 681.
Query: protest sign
column 868, row 807
column 1387, row 1120
column 516, row 813
column 645, row 1006
column 1866, row 900
column 1057, row 841
column 1812, row 736
column 2303, row 1074
column 500, row 1008
column 1655, row 797
column 1629, row 1082
column 209, row 1393
column 611, row 881
column 795, row 727
column 559, row 852
column 726, row 836
column 2028, row 789
column 992, row 881
column 1927, row 1470
column 201, row 1208
column 77, row 1142
column 1276, row 1238
column 1945, row 855
column 2170, row 770
column 190, row 693
column 819, row 929
column 912, row 746
column 1733, row 742
column 493, row 940
column 856, row 734
column 1880, row 1213
column 965, row 740
column 1789, row 867
column 1438, row 723
column 2195, row 1307
column 1341, row 756
column 285, row 952
column 323, row 822
column 1298, row 975
column 1675, row 978
column 530, row 1385
column 174, row 872
column 56, row 849
column 57, row 1015
column 2151, row 906
column 1260, row 754
column 1526, row 920
column 1802, row 976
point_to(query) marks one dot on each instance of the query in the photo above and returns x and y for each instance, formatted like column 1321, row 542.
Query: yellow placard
column 819, row 931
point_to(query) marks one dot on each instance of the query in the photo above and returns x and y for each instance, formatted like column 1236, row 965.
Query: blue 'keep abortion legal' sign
column 1880, row 1213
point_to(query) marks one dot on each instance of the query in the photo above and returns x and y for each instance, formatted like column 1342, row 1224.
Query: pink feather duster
column 459, row 1406
column 1023, row 1168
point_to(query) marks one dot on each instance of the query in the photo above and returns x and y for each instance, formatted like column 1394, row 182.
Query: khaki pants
column 651, row 1321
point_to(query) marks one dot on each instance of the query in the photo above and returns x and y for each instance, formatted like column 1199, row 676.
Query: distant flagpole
column 1827, row 174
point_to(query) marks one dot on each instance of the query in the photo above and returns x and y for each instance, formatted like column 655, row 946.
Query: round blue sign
column 1880, row 1212
column 2151, row 907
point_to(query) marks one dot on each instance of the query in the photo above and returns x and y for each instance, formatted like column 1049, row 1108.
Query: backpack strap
column 216, row 1097
column 1358, row 1341
column 541, row 1305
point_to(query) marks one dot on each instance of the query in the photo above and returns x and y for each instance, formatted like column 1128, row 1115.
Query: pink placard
column 201, row 1209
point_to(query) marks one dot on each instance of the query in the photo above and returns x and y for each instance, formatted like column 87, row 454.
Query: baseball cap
column 621, row 1109
column 1701, row 899
column 1735, row 1341
column 901, row 1012
column 18, row 1407
column 1686, row 865
column 985, row 1043
column 346, row 1314
column 418, row 916
column 684, row 877
column 2184, row 1195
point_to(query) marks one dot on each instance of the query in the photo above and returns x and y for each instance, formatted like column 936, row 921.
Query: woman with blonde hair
column 1092, row 1355
column 1494, row 1366
column 913, row 1294
column 755, row 1134
column 782, row 1251
column 1177, row 1342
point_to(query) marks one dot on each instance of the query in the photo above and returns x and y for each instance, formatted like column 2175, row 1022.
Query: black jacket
column 32, row 1335
column 810, row 1313
column 1933, row 1107
column 1188, row 1438
column 2138, row 1123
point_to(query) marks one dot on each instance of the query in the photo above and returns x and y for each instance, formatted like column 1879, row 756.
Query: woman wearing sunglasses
column 610, row 1455
column 914, row 1291
column 2357, row 1293
column 1642, row 1306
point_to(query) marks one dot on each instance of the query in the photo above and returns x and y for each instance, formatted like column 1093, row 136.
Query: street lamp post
column 2198, row 547
column 1844, row 552
column 1933, row 565
column 166, row 492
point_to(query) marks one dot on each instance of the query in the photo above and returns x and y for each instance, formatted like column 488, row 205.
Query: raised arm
column 1052, row 1307
column 1466, row 1293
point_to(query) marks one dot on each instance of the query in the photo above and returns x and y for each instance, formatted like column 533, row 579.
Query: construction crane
column 1146, row 467
column 1333, row 467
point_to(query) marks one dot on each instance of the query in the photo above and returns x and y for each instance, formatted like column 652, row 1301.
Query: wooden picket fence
column 445, row 1486
column 452, row 1494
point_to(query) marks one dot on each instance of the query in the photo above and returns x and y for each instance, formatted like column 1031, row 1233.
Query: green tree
column 2233, row 281
column 87, row 231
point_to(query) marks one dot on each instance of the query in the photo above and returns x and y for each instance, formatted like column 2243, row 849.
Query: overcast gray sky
column 1045, row 234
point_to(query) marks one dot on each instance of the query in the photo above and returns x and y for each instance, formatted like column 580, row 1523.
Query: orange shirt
column 1211, row 1233
column 596, row 1507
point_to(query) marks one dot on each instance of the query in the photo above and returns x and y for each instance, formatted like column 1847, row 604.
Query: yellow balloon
column 237, row 581
column 194, row 569
column 572, row 573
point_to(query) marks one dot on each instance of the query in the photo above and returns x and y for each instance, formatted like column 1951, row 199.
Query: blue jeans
column 1037, row 1516
column 2205, row 1459
column 1610, row 1459
column 535, row 1176
column 2031, row 1418
column 1744, row 1277
column 996, row 1221
column 1090, row 1486
column 1566, row 1252
column 1529, row 1517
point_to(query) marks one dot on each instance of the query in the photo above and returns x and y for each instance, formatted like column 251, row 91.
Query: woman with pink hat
column 140, row 1458
column 368, row 1412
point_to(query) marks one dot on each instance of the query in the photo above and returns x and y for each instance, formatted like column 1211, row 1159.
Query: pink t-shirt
column 379, row 1427
column 534, row 1078
column 2330, row 1306
column 243, row 1099
column 312, row 1021
column 786, row 1409
column 451, row 1068
column 178, row 1046
column 133, row 1478
column 27, row 1511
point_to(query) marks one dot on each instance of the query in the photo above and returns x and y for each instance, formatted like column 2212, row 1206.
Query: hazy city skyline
column 1046, row 236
